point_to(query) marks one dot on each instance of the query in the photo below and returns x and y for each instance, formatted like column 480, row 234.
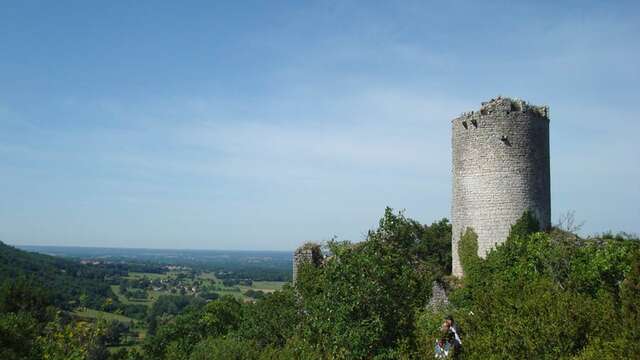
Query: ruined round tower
column 500, row 170
column 309, row 253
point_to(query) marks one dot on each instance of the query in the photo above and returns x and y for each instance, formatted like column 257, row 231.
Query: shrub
column 362, row 301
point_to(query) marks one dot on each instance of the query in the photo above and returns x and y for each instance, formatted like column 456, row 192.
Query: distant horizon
column 595, row 235
column 21, row 246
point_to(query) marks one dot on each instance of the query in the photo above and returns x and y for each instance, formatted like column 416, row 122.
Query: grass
column 97, row 314
column 264, row 286
column 235, row 291
column 209, row 276
column 150, row 276
column 154, row 295
column 139, row 331
column 268, row 285
column 123, row 299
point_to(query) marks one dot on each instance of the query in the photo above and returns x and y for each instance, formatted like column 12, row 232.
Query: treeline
column 262, row 272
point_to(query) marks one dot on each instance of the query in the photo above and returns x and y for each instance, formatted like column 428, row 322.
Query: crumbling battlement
column 503, row 106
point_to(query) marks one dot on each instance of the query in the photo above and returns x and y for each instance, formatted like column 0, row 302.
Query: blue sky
column 263, row 124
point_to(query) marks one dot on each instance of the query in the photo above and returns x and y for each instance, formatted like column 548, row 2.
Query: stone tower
column 500, row 170
column 307, row 253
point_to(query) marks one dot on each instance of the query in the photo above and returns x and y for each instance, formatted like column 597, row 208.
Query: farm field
column 184, row 283
column 154, row 285
column 128, row 294
column 102, row 315
column 151, row 276
column 267, row 285
column 131, row 339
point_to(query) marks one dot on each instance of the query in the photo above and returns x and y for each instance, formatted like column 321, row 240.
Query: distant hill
column 258, row 265
column 67, row 280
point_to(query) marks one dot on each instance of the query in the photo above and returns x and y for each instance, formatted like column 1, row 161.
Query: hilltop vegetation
column 550, row 295
column 361, row 303
column 539, row 295
column 66, row 281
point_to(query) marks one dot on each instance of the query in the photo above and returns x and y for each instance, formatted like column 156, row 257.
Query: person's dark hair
column 449, row 317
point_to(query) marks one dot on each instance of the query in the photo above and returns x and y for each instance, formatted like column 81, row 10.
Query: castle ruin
column 307, row 253
column 500, row 170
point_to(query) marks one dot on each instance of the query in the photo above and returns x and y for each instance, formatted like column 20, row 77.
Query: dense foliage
column 362, row 302
column 548, row 295
column 538, row 295
column 31, row 327
column 65, row 280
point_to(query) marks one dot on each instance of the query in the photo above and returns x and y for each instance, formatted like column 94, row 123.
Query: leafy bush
column 18, row 333
column 225, row 348
column 536, row 296
column 272, row 320
column 362, row 301
column 177, row 336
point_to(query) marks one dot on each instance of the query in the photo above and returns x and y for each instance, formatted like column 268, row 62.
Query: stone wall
column 439, row 298
column 500, row 170
column 307, row 253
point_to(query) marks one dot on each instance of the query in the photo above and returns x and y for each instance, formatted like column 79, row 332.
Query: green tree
column 25, row 295
column 362, row 301
column 538, row 296
column 176, row 338
column 18, row 333
column 225, row 348
column 271, row 320
column 75, row 341
column 222, row 316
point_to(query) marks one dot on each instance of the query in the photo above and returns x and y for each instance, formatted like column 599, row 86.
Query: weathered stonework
column 307, row 253
column 500, row 170
column 439, row 298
